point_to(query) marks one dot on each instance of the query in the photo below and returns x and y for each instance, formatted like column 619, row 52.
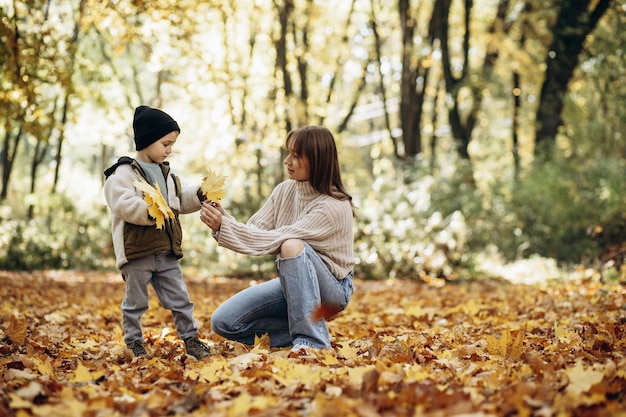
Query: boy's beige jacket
column 134, row 232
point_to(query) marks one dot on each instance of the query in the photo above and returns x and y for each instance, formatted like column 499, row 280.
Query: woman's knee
column 219, row 323
column 291, row 248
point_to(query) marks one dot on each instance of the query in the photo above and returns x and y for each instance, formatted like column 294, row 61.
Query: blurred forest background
column 471, row 134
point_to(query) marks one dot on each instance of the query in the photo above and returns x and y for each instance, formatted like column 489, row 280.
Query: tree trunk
column 516, row 110
column 381, row 79
column 302, row 115
column 460, row 125
column 411, row 94
column 574, row 22
column 41, row 149
column 284, row 17
column 7, row 158
column 434, row 121
column 355, row 97
column 460, row 128
column 58, row 155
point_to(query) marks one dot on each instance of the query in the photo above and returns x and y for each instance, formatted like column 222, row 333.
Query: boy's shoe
column 137, row 348
column 197, row 348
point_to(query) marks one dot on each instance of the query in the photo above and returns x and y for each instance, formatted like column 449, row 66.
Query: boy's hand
column 200, row 195
column 211, row 215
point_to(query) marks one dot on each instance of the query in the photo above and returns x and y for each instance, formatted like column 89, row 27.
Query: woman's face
column 297, row 165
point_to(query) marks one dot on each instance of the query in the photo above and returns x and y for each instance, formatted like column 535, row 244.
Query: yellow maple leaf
column 286, row 373
column 347, row 351
column 45, row 368
column 497, row 346
column 581, row 379
column 507, row 346
column 517, row 347
column 416, row 372
column 16, row 330
column 563, row 335
column 356, row 375
column 261, row 343
column 157, row 207
column 245, row 403
column 217, row 369
column 213, row 186
column 240, row 406
column 330, row 359
column 83, row 374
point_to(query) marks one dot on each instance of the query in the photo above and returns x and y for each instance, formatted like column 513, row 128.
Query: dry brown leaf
column 17, row 330
column 384, row 360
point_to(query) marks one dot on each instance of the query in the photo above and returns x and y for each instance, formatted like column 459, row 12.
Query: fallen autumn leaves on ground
column 402, row 348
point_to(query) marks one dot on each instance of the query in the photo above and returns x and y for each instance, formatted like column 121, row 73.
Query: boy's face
column 158, row 151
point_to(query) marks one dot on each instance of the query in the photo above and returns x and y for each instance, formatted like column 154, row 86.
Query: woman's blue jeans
column 284, row 307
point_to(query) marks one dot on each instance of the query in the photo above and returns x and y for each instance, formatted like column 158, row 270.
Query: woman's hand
column 211, row 214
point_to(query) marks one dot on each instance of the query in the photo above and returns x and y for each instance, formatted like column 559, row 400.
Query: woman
column 307, row 224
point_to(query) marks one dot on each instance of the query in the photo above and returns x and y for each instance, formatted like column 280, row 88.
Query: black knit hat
column 150, row 125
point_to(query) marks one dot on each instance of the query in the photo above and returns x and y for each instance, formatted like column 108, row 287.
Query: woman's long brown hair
column 317, row 144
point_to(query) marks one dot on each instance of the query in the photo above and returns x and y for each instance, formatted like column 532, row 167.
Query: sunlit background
column 237, row 76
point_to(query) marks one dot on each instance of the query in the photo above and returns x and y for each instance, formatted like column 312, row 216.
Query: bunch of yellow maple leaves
column 212, row 188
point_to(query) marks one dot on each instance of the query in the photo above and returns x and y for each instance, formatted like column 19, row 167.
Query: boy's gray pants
column 162, row 270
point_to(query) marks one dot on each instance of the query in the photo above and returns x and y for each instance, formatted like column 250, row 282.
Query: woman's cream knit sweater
column 295, row 210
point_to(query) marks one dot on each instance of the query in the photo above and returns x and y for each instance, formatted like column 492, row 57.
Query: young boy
column 144, row 253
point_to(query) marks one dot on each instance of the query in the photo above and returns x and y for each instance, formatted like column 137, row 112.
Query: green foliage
column 558, row 203
column 437, row 226
column 414, row 225
column 234, row 111
column 63, row 238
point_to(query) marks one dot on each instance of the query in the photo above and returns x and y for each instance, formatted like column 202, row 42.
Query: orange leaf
column 324, row 312
column 17, row 330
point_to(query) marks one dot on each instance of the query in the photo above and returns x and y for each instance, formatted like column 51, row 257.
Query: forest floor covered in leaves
column 402, row 348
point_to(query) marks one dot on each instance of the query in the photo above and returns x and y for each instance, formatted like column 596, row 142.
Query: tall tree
column 575, row 21
column 67, row 83
column 16, row 91
column 461, row 126
column 382, row 90
column 31, row 71
column 412, row 83
column 284, row 10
